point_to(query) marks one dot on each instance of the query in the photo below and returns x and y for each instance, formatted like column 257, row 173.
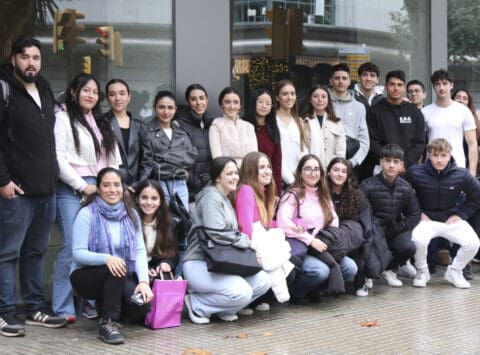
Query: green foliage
column 463, row 30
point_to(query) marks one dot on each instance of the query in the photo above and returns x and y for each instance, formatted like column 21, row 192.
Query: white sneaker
column 455, row 277
column 263, row 307
column 245, row 311
column 391, row 278
column 369, row 283
column 423, row 276
column 195, row 318
column 407, row 270
column 362, row 291
column 227, row 317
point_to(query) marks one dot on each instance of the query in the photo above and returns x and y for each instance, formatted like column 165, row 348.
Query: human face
column 439, row 159
column 443, row 88
column 149, row 202
column 228, row 179
column 368, row 80
column 27, row 65
column 338, row 174
column 340, row 82
column 111, row 189
column 286, row 97
column 416, row 95
column 88, row 97
column 319, row 101
column 231, row 105
column 263, row 105
column 165, row 109
column 461, row 97
column 198, row 102
column 264, row 171
column 311, row 173
column 395, row 90
column 118, row 97
column 391, row 168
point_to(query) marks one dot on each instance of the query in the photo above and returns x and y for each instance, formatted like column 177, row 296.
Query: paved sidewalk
column 438, row 319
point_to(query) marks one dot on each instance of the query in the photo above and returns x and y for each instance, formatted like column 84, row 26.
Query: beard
column 26, row 78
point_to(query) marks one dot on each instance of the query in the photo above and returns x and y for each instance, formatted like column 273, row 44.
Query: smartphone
column 137, row 298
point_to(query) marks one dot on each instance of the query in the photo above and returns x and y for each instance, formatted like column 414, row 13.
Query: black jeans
column 111, row 294
column 402, row 247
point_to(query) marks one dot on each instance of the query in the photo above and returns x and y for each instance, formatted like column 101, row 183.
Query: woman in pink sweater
column 316, row 211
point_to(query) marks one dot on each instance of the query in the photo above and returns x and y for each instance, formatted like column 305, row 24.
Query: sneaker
column 227, row 317
column 108, row 332
column 262, row 307
column 362, row 291
column 467, row 272
column 369, row 283
column 10, row 326
column 432, row 268
column 195, row 318
column 391, row 278
column 407, row 270
column 476, row 260
column 443, row 257
column 89, row 310
column 423, row 276
column 245, row 311
column 455, row 277
column 45, row 320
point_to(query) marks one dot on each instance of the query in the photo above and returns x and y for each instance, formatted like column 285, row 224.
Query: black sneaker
column 108, row 332
column 10, row 326
column 467, row 272
column 45, row 320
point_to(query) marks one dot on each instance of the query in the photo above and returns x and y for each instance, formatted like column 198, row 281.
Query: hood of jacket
column 350, row 96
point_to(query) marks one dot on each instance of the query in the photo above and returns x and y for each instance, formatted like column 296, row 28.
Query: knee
column 349, row 269
column 320, row 272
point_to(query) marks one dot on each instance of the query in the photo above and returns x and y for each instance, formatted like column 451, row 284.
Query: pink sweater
column 246, row 209
column 310, row 211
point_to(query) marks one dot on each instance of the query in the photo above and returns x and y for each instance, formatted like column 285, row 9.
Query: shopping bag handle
column 161, row 276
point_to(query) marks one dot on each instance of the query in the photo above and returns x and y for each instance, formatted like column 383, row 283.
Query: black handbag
column 181, row 219
column 226, row 259
column 353, row 145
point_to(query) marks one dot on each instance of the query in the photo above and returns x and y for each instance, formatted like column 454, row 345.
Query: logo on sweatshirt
column 405, row 120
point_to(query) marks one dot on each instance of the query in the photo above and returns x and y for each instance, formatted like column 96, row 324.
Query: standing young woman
column 109, row 260
column 159, row 240
column 317, row 212
column 213, row 293
column 292, row 134
column 85, row 144
column 129, row 132
column 261, row 115
column 351, row 206
column 196, row 121
column 230, row 135
column 324, row 131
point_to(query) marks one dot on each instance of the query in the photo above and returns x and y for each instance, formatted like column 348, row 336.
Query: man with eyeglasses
column 416, row 93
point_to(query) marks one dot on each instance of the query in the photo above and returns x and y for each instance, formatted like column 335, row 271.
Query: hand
column 116, row 266
column 424, row 218
column 89, row 190
column 145, row 290
column 453, row 219
column 164, row 267
column 10, row 190
column 317, row 244
column 152, row 273
column 131, row 190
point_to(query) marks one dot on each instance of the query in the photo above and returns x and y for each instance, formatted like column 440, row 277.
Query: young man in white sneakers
column 438, row 183
column 394, row 203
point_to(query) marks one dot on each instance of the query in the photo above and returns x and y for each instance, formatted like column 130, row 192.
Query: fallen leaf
column 238, row 336
column 258, row 353
column 370, row 323
column 190, row 351
column 268, row 334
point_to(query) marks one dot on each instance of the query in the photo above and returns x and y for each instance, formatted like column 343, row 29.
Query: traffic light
column 66, row 29
column 295, row 31
column 277, row 31
column 107, row 40
column 87, row 65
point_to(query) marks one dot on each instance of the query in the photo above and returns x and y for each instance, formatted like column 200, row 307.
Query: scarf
column 100, row 238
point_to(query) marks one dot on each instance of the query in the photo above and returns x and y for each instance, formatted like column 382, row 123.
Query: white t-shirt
column 290, row 143
column 450, row 123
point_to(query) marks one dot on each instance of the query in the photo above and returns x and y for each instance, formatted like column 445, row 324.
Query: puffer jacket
column 394, row 204
column 439, row 192
column 165, row 159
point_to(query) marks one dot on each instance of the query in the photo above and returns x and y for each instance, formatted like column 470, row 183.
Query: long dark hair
column 323, row 192
column 270, row 121
column 165, row 244
column 348, row 207
column 75, row 113
column 310, row 112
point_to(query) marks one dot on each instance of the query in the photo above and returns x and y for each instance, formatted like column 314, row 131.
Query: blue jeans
column 214, row 293
column 25, row 228
column 68, row 204
column 315, row 272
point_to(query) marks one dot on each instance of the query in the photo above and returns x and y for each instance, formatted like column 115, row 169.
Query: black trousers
column 111, row 294
column 402, row 247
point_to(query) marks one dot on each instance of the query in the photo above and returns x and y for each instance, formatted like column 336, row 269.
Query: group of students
column 274, row 167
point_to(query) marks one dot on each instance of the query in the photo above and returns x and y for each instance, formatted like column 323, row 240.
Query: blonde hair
column 439, row 145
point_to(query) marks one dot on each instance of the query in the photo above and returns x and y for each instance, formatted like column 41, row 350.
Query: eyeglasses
column 310, row 170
